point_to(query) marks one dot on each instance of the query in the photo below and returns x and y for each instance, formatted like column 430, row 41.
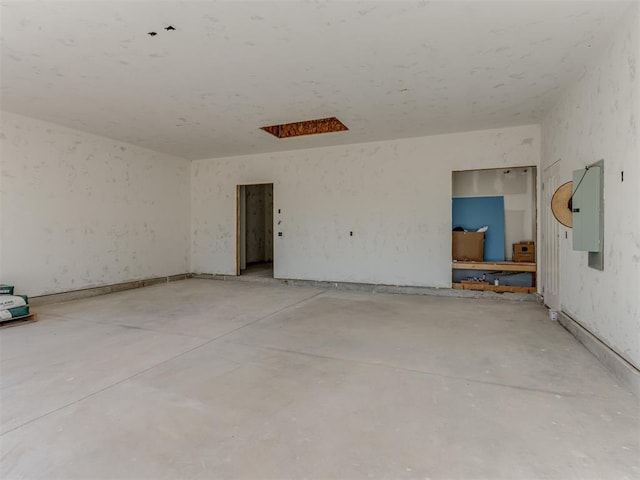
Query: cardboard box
column 524, row 252
column 468, row 246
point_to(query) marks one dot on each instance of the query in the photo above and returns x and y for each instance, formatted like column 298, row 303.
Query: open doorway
column 550, row 238
column 254, row 215
column 494, row 222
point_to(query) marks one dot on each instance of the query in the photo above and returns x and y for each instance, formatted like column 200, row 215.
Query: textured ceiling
column 388, row 70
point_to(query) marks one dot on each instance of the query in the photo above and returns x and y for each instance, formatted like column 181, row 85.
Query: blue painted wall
column 471, row 213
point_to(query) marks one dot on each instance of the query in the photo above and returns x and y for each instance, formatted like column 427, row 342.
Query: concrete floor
column 214, row 379
column 262, row 269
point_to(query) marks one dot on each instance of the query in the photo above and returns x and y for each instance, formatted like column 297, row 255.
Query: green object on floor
column 14, row 312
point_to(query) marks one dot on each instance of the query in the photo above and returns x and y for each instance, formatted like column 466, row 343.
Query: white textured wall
column 80, row 210
column 596, row 118
column 395, row 196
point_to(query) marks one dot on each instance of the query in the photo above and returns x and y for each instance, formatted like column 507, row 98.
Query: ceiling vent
column 308, row 127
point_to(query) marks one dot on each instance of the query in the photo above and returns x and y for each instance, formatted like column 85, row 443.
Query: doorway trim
column 238, row 190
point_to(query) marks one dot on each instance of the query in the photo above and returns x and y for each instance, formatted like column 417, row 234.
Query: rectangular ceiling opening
column 308, row 127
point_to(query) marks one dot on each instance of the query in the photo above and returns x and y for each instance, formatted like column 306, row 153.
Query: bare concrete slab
column 307, row 384
column 482, row 340
column 193, row 308
column 61, row 360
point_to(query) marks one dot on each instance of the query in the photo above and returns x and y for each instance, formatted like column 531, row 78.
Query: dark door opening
column 255, row 230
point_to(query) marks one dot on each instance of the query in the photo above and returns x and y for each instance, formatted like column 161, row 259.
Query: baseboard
column 371, row 287
column 348, row 286
column 618, row 366
column 103, row 290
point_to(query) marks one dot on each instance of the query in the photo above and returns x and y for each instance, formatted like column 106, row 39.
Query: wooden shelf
column 482, row 286
column 496, row 266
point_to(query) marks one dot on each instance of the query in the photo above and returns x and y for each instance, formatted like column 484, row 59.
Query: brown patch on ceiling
column 308, row 127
